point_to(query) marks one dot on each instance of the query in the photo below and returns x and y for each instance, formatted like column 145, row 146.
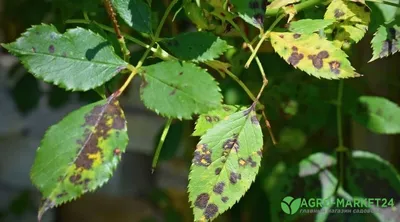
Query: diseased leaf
column 208, row 120
column 280, row 3
column 308, row 26
column 352, row 19
column 386, row 42
column 79, row 153
column 136, row 13
column 251, row 11
column 312, row 54
column 77, row 60
column 196, row 46
column 377, row 114
column 225, row 163
column 179, row 89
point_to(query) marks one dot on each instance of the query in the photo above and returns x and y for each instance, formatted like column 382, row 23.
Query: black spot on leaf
column 254, row 120
column 202, row 200
column 75, row 178
column 172, row 92
column 252, row 162
column 52, row 49
column 338, row 13
column 219, row 188
column 211, row 211
column 202, row 155
column 317, row 60
column 209, row 119
column 234, row 177
column 295, row 58
column 217, row 171
column 229, row 144
column 296, row 35
column 335, row 67
column 224, row 199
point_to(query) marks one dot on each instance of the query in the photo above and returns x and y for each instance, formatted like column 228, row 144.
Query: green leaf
column 179, row 89
column 251, row 11
column 280, row 3
column 386, row 42
column 312, row 54
column 196, row 46
column 77, row 60
column 136, row 13
column 308, row 26
column 383, row 13
column 225, row 163
column 210, row 119
column 352, row 19
column 79, row 153
column 377, row 114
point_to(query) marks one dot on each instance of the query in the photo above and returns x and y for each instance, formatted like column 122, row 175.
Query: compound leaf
column 79, row 153
column 312, row 54
column 225, row 163
column 208, row 120
column 196, row 46
column 386, row 42
column 251, row 11
column 308, row 26
column 352, row 19
column 179, row 89
column 378, row 114
column 136, row 13
column 77, row 60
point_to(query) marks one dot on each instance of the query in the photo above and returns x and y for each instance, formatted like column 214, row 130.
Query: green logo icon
column 290, row 205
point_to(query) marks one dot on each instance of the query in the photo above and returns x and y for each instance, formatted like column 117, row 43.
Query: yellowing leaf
column 352, row 21
column 313, row 54
column 225, row 163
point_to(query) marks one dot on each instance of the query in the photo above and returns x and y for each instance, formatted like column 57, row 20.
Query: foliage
column 198, row 74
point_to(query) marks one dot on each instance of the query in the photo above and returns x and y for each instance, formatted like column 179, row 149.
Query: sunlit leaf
column 251, row 11
column 208, row 120
column 77, row 60
column 352, row 19
column 179, row 89
column 225, row 163
column 136, row 13
column 378, row 114
column 386, row 42
column 312, row 54
column 196, row 46
column 308, row 26
column 79, row 153
column 280, row 3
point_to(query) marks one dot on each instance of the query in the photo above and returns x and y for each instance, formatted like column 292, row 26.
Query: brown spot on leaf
column 181, row 73
column 211, row 211
column 252, row 162
column 217, row 171
column 64, row 193
column 209, row 119
column 219, row 188
column 202, row 155
column 229, row 144
column 296, row 35
column 295, row 58
column 216, row 118
column 75, row 178
column 52, row 48
column 281, row 36
column 294, row 48
column 234, row 177
column 338, row 13
column 254, row 120
column 202, row 200
column 226, row 108
column 335, row 67
column 317, row 60
column 117, row 152
column 172, row 92
column 224, row 199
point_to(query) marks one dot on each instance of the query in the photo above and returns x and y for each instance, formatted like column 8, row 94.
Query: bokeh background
column 301, row 110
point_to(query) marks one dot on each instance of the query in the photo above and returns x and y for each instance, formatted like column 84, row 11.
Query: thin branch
column 120, row 37
column 160, row 145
